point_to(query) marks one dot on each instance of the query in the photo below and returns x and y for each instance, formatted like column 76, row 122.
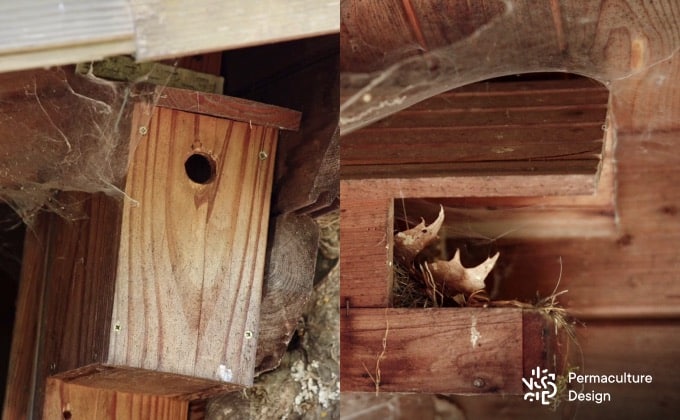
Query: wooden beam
column 606, row 348
column 486, row 129
column 366, row 252
column 168, row 30
column 33, row 36
column 442, row 350
column 105, row 392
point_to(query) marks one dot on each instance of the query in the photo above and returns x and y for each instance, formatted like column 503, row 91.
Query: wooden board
column 642, row 347
column 105, row 392
column 287, row 285
column 500, row 128
column 33, row 36
column 168, row 30
column 366, row 251
column 466, row 351
column 179, row 249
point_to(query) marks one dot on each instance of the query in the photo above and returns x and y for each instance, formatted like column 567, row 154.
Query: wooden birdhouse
column 153, row 300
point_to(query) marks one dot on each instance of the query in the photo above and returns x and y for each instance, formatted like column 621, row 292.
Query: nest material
column 422, row 280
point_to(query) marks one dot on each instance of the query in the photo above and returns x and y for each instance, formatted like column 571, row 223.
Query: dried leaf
column 451, row 275
column 409, row 243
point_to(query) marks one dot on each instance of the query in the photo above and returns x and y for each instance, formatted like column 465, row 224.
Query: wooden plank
column 636, row 346
column 202, row 246
column 287, row 285
column 19, row 395
column 35, row 35
column 472, row 186
column 105, row 392
column 236, row 109
column 462, row 351
column 471, row 144
column 169, row 29
column 68, row 272
column 66, row 400
column 486, row 130
column 366, row 252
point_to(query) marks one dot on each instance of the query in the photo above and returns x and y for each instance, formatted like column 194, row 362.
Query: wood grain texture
column 288, row 279
column 645, row 347
column 191, row 262
column 67, row 400
column 236, row 109
column 36, row 35
column 486, row 128
column 301, row 75
column 168, row 29
column 435, row 350
column 20, row 388
column 366, row 253
column 69, row 272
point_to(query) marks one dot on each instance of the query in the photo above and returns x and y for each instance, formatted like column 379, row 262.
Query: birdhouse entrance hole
column 200, row 168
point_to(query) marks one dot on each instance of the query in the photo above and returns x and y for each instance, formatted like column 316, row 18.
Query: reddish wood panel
column 469, row 351
column 236, row 109
column 366, row 251
column 605, row 348
column 487, row 124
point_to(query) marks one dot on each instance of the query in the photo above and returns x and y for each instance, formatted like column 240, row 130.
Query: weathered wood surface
column 69, row 271
column 307, row 166
column 486, row 129
column 649, row 349
column 34, row 36
column 236, row 109
column 106, row 392
column 467, row 351
column 366, row 226
column 202, row 249
column 287, row 285
column 630, row 272
column 67, row 400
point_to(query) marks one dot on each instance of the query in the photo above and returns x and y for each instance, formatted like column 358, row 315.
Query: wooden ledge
column 444, row 350
column 222, row 106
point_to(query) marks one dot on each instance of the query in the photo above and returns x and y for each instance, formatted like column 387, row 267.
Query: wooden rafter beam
column 33, row 35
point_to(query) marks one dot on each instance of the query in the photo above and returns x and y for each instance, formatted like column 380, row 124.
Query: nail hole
column 200, row 168
column 67, row 414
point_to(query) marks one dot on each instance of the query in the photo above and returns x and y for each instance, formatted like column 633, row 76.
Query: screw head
column 263, row 155
column 478, row 383
column 143, row 130
column 248, row 335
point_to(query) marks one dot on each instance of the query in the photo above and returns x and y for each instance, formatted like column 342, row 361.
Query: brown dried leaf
column 451, row 275
column 409, row 243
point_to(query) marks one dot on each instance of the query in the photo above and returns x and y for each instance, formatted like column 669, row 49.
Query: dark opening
column 200, row 168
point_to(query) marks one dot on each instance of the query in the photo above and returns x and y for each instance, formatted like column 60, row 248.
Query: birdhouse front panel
column 192, row 248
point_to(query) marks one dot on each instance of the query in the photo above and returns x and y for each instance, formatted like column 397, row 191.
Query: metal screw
column 263, row 155
column 117, row 327
column 53, row 367
column 143, row 130
column 248, row 335
column 478, row 383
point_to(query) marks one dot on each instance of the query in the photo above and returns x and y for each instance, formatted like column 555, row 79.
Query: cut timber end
column 191, row 258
